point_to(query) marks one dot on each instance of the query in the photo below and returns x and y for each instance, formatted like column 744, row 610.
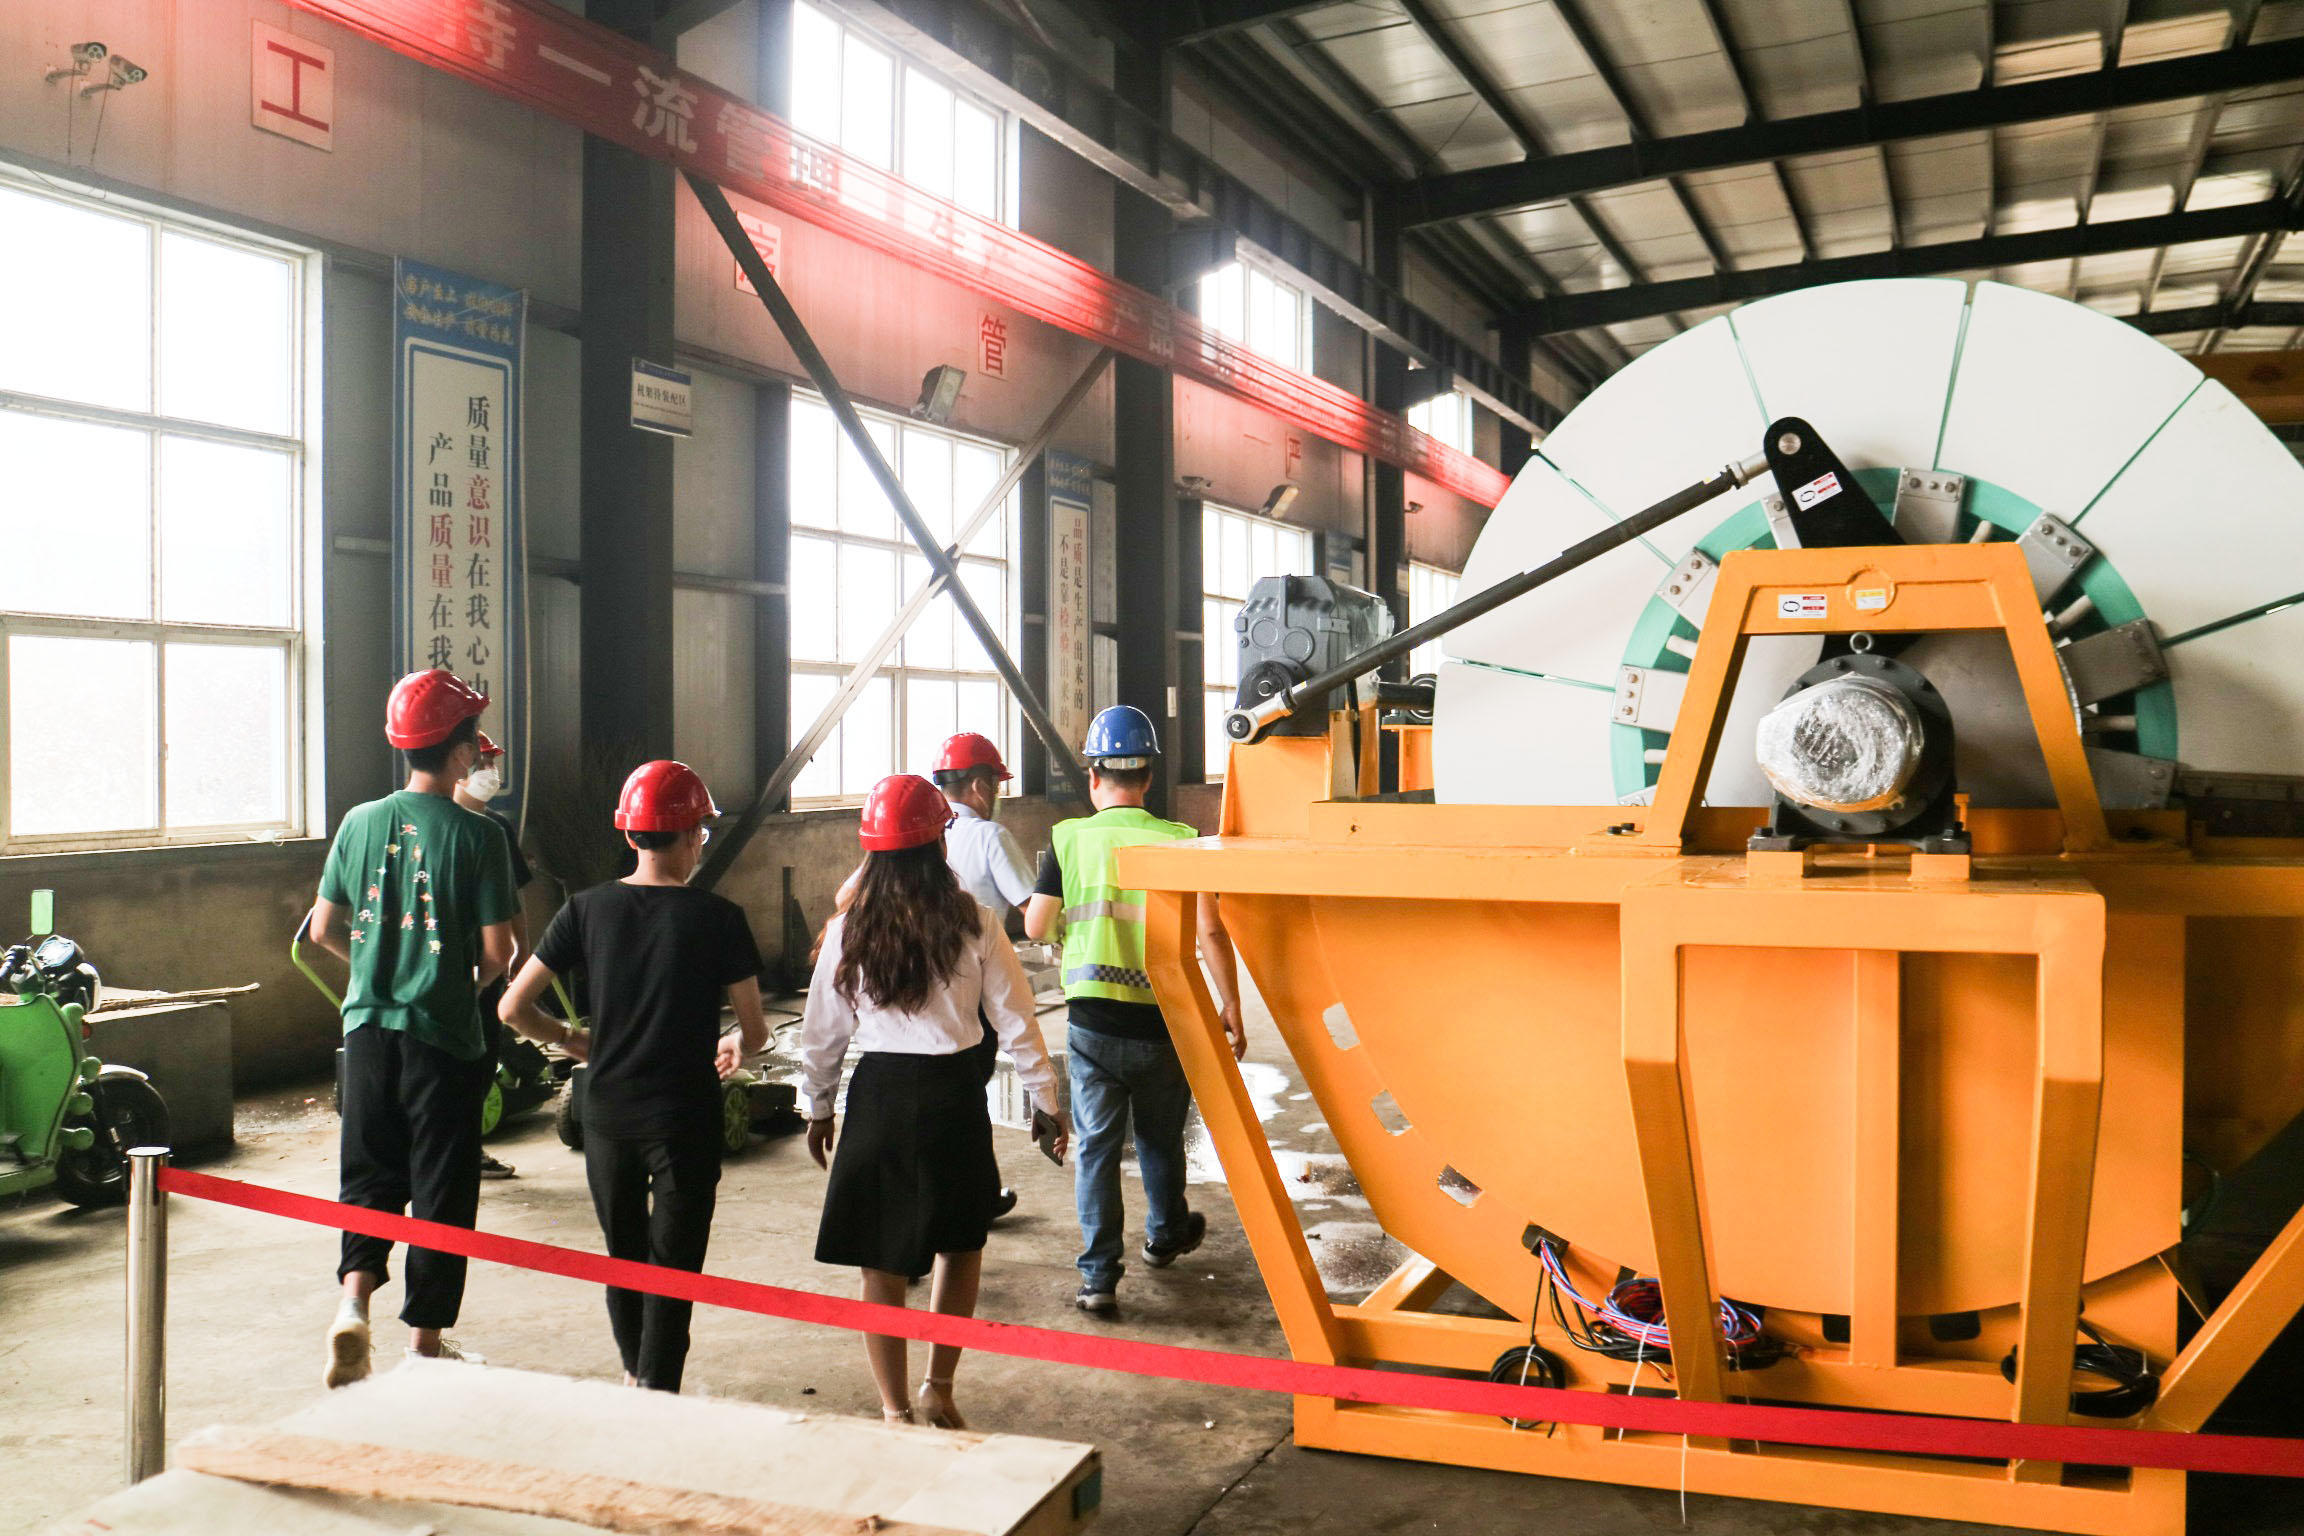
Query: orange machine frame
column 1924, row 1007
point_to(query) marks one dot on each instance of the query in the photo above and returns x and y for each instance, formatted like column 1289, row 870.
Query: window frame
column 302, row 764
column 1302, row 361
column 1216, row 695
column 1424, row 576
column 896, row 669
column 1460, row 408
column 1005, row 173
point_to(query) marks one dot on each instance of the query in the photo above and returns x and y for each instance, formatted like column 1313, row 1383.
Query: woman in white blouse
column 909, row 974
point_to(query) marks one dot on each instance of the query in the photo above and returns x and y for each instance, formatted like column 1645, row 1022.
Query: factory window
column 1237, row 549
column 850, row 91
column 153, row 457
column 1430, row 591
column 1446, row 416
column 853, row 568
column 1259, row 311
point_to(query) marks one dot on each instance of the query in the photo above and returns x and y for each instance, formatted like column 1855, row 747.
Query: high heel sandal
column 897, row 1416
column 936, row 1404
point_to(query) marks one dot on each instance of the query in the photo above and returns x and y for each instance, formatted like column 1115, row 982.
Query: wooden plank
column 314, row 1463
column 491, row 1444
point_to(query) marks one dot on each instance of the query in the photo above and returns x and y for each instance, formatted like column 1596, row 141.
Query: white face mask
column 486, row 783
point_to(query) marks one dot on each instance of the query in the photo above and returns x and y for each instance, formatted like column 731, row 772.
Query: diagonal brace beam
column 943, row 568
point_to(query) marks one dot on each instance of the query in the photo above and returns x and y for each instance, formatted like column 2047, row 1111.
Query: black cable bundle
column 2135, row 1385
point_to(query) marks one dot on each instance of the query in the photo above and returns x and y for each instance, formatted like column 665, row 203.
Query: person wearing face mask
column 473, row 792
column 416, row 898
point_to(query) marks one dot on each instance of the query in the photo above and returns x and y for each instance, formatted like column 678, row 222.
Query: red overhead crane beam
column 615, row 88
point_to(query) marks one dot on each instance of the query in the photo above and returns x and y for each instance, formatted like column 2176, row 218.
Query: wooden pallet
column 477, row 1451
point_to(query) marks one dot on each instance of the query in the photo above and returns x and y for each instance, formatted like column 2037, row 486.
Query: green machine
column 525, row 1076
column 66, row 1118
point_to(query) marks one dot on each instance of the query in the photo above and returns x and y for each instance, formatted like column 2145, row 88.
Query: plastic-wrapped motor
column 1859, row 750
column 1846, row 745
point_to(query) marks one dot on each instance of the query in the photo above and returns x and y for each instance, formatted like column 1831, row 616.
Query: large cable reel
column 2162, row 521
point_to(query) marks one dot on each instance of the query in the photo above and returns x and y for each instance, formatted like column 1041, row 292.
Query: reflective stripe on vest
column 1104, row 921
column 1125, row 911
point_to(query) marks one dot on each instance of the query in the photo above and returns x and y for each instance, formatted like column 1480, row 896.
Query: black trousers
column 985, row 1053
column 654, row 1198
column 410, row 1142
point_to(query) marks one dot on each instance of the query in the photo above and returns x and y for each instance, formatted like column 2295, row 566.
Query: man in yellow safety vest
column 1121, row 1060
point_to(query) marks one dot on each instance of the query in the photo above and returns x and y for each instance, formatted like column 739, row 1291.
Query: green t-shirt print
column 421, row 877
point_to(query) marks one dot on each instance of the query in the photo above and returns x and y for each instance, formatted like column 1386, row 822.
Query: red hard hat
column 426, row 706
column 904, row 810
column 663, row 796
column 488, row 747
column 969, row 750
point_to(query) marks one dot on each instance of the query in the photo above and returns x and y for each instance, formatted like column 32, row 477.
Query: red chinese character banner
column 458, row 553
column 615, row 88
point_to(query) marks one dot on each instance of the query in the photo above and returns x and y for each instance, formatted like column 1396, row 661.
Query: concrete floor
column 250, row 1297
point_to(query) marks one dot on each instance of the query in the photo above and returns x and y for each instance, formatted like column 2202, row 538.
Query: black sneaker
column 1096, row 1298
column 491, row 1168
column 1195, row 1229
column 1005, row 1204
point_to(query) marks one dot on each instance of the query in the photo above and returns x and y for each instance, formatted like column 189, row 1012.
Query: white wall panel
column 712, row 689
column 712, row 479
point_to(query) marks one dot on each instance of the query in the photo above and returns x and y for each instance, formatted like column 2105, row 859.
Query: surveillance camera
column 85, row 56
column 124, row 75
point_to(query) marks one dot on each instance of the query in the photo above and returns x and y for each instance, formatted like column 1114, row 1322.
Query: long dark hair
column 904, row 932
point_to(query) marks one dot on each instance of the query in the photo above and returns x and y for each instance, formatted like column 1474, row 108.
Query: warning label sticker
column 1801, row 605
column 1823, row 488
column 1868, row 599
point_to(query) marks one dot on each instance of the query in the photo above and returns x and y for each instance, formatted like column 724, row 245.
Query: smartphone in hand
column 1045, row 1129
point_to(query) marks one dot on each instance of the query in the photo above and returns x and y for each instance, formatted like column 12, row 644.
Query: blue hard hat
column 1121, row 737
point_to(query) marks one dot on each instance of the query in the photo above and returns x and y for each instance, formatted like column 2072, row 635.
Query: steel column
column 772, row 569
column 625, row 475
column 1387, row 526
column 1151, row 667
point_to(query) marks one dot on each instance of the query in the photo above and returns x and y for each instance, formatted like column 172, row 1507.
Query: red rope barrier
column 1903, row 1433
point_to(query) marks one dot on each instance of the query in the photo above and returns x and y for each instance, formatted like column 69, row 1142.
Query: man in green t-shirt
column 417, row 898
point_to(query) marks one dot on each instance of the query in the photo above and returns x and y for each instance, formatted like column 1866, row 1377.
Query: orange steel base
column 1850, row 1084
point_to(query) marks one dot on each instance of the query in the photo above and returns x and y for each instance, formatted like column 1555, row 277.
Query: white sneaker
column 449, row 1350
column 347, row 1348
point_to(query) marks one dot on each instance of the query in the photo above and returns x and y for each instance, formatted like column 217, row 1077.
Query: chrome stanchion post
column 147, row 1404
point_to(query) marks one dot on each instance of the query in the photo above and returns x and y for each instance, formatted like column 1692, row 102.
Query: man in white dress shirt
column 984, row 854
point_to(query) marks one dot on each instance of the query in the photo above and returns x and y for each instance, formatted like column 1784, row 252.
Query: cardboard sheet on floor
column 805, row 1471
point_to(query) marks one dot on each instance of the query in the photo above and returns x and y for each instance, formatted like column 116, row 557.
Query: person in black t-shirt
column 658, row 957
column 473, row 792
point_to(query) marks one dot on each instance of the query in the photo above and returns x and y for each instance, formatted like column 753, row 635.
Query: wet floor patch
column 1354, row 1257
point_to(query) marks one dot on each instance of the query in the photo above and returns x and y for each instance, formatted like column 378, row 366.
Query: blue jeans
column 1110, row 1078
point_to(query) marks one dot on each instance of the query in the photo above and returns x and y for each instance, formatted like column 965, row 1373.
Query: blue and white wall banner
column 459, row 543
column 1070, row 701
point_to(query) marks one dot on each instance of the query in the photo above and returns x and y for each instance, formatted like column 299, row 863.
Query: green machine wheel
column 735, row 1117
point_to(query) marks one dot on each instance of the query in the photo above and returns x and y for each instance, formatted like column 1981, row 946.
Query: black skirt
column 913, row 1173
